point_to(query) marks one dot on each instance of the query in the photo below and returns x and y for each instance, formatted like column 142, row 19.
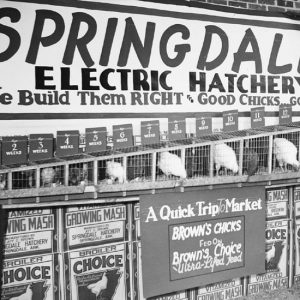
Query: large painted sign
column 94, row 57
column 196, row 238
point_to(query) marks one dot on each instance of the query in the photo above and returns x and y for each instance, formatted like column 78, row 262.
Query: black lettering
column 203, row 64
column 108, row 40
column 80, row 43
column 36, row 39
column 131, row 37
column 241, row 55
column 40, row 78
column 65, row 80
column 181, row 50
column 12, row 34
column 272, row 67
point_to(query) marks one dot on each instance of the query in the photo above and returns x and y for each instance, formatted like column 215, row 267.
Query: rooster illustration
column 97, row 287
column 273, row 255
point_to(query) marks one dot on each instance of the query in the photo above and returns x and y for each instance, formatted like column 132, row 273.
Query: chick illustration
column 98, row 286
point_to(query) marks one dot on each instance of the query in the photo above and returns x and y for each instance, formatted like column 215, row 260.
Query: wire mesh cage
column 169, row 165
column 255, row 155
column 226, row 157
column 81, row 173
column 111, row 171
column 52, row 176
column 285, row 155
column 24, row 179
column 197, row 161
column 139, row 167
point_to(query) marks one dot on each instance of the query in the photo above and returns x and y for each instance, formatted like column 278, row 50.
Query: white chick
column 224, row 156
column 285, row 153
column 115, row 171
column 26, row 296
column 47, row 175
column 98, row 286
column 171, row 164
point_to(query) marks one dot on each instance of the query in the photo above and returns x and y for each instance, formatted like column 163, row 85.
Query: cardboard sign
column 67, row 143
column 95, row 139
column 150, row 132
column 203, row 125
column 104, row 269
column 277, row 203
column 14, row 150
column 40, row 146
column 201, row 237
column 285, row 114
column 31, row 278
column 276, row 259
column 230, row 120
column 228, row 289
column 176, row 128
column 122, row 136
column 257, row 117
column 92, row 225
column 31, row 232
column 138, row 280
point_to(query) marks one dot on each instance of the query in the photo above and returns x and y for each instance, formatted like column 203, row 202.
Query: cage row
column 237, row 157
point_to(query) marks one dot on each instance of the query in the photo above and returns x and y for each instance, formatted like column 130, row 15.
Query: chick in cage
column 171, row 164
column 285, row 153
column 250, row 160
column 78, row 174
column 52, row 176
column 139, row 168
column 224, row 156
column 24, row 179
column 3, row 181
column 197, row 161
column 115, row 171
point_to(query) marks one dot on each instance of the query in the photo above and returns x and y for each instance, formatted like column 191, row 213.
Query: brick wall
column 288, row 7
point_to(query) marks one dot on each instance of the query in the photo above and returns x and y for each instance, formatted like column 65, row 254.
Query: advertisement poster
column 276, row 259
column 98, row 273
column 138, row 280
column 277, row 203
column 30, row 278
column 201, row 237
column 94, row 225
column 225, row 290
column 31, row 232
